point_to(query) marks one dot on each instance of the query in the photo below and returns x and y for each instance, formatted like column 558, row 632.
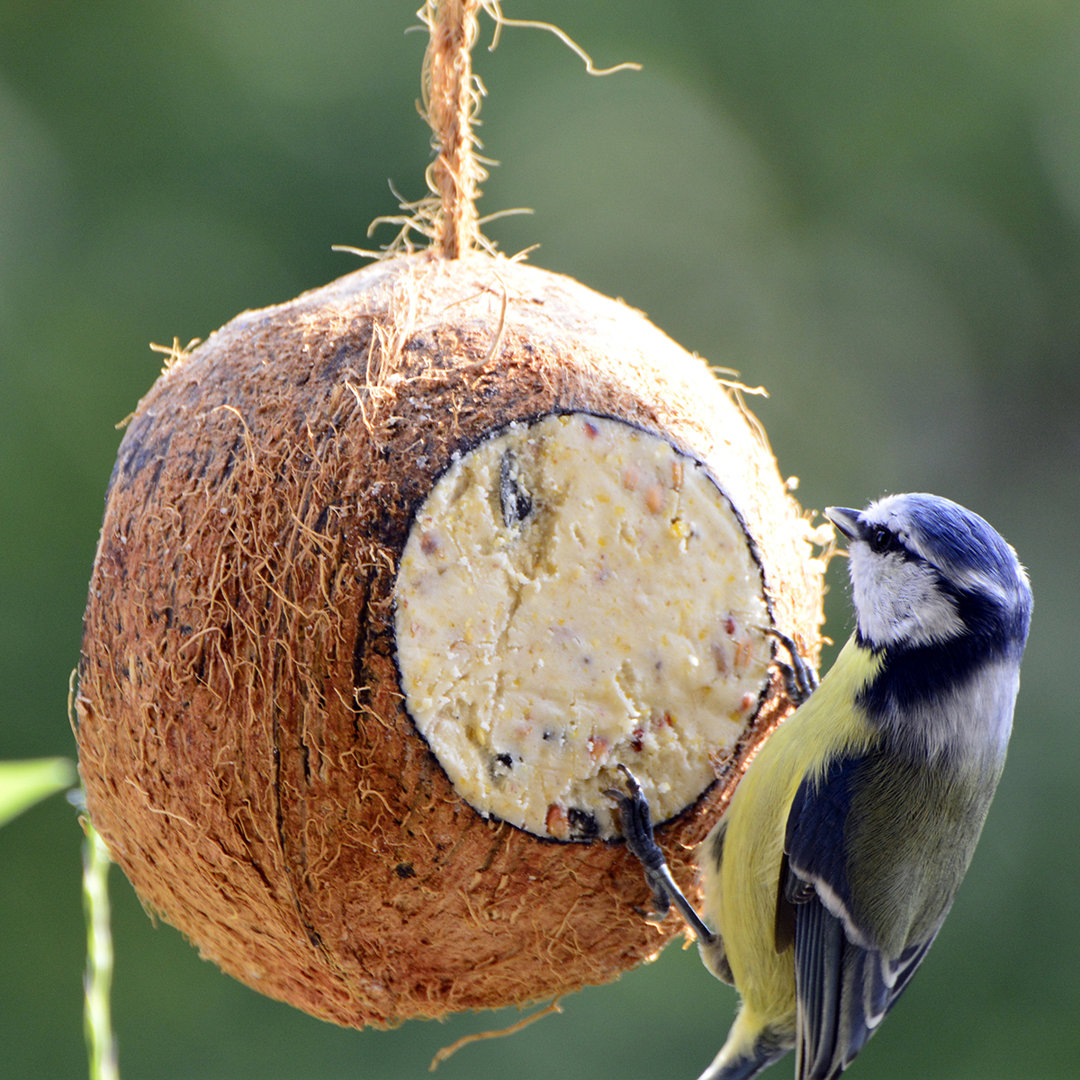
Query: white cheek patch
column 898, row 600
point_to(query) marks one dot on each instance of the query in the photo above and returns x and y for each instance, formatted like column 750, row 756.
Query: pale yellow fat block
column 577, row 593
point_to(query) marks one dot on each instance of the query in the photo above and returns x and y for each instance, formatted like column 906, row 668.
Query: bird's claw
column 800, row 679
column 637, row 827
column 635, row 819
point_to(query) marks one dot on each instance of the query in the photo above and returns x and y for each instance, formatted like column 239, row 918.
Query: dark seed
column 583, row 826
column 500, row 765
column 515, row 500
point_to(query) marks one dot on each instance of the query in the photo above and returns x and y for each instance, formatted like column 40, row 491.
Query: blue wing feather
column 845, row 984
column 814, row 842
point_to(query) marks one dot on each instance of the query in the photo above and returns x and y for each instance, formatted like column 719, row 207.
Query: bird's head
column 925, row 571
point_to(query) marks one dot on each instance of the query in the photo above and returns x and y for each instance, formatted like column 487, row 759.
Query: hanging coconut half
column 392, row 581
column 392, row 578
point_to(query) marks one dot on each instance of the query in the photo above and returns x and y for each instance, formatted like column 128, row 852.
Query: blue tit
column 846, row 840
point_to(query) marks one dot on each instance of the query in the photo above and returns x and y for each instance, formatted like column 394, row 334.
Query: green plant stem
column 97, row 1016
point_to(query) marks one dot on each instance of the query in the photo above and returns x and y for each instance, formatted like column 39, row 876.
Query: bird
column 841, row 851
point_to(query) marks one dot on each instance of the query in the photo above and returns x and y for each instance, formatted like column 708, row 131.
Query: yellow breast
column 741, row 892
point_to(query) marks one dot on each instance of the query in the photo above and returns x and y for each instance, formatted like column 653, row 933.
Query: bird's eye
column 881, row 540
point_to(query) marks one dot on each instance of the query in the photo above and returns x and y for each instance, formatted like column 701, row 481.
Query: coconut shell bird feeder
column 392, row 579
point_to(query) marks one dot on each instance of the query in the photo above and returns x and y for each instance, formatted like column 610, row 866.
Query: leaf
column 23, row 783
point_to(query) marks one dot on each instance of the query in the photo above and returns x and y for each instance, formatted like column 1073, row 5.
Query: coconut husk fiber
column 242, row 740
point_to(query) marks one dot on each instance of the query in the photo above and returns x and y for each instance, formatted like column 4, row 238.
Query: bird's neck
column 944, row 702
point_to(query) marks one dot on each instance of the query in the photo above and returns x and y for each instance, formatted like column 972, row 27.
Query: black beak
column 847, row 521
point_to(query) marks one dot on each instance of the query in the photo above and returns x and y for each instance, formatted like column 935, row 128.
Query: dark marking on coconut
column 231, row 453
column 332, row 366
column 583, row 825
column 312, row 934
column 405, row 870
column 362, row 693
column 143, row 444
column 516, row 502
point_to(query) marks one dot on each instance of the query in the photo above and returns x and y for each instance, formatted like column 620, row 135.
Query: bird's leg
column 637, row 828
column 800, row 679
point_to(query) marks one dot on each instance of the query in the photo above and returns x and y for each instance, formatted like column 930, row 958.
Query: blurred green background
column 872, row 209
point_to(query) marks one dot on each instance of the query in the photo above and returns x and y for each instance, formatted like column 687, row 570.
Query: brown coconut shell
column 242, row 739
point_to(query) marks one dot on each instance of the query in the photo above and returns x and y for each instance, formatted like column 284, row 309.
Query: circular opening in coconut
column 576, row 593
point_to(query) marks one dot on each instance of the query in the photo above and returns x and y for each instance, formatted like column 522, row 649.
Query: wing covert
column 845, row 984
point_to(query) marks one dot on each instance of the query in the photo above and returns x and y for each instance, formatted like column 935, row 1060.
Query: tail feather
column 746, row 1054
column 739, row 1069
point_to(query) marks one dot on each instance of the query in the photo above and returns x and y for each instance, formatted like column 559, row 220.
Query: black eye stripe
column 882, row 540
